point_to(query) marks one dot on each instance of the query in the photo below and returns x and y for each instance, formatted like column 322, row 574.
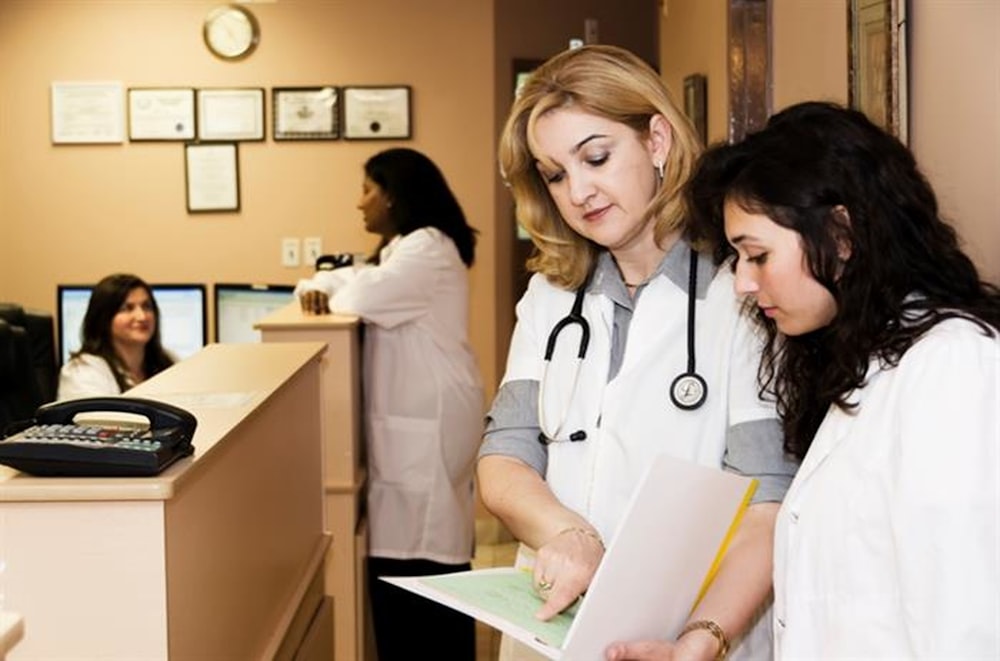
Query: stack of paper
column 657, row 566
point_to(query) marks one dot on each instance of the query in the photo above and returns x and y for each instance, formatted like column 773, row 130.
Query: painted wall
column 73, row 213
column 954, row 92
column 693, row 41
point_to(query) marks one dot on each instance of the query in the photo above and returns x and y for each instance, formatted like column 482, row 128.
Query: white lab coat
column 86, row 375
column 631, row 419
column 887, row 543
column 423, row 395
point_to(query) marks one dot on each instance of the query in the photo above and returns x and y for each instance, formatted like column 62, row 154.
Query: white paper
column 651, row 576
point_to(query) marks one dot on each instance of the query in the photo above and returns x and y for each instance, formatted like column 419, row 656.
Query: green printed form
column 507, row 595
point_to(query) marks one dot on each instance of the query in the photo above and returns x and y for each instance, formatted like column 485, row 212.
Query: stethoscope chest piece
column 688, row 391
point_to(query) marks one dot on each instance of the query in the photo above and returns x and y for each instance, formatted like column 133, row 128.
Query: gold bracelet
column 715, row 630
column 583, row 531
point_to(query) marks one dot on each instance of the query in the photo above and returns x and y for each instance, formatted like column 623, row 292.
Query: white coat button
column 795, row 517
column 781, row 622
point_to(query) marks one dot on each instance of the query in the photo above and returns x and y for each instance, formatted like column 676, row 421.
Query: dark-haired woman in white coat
column 423, row 396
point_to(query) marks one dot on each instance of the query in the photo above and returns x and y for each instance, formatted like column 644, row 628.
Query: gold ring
column 544, row 585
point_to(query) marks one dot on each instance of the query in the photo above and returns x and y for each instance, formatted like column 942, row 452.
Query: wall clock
column 231, row 32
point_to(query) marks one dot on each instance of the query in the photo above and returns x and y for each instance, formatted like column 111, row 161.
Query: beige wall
column 955, row 116
column 74, row 213
column 954, row 95
column 693, row 40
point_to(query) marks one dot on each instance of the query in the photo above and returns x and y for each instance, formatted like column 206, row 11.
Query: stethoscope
column 688, row 390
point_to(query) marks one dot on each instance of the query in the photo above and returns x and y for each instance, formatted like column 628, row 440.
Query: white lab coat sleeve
column 86, row 375
column 534, row 311
column 326, row 281
column 399, row 289
column 944, row 494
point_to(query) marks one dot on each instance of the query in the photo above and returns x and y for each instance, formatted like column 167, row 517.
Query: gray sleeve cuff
column 512, row 425
column 755, row 449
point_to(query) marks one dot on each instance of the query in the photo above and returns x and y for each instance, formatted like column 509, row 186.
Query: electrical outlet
column 290, row 252
column 312, row 247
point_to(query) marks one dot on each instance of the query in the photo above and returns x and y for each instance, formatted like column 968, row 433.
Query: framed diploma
column 88, row 112
column 212, row 177
column 231, row 114
column 161, row 114
column 306, row 113
column 377, row 113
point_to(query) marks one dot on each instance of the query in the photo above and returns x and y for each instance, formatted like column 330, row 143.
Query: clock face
column 231, row 32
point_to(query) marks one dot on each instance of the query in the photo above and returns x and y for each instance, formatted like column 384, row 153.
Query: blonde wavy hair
column 609, row 82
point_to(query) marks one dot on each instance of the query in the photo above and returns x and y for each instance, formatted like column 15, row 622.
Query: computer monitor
column 183, row 317
column 239, row 306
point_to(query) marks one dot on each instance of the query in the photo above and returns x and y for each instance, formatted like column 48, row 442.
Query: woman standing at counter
column 423, row 394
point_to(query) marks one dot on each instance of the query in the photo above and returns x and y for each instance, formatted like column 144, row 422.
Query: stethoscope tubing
column 680, row 389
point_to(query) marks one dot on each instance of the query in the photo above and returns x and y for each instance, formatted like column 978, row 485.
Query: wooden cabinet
column 343, row 463
column 218, row 557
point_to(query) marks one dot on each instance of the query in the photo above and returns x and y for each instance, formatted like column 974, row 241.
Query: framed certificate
column 161, row 114
column 88, row 112
column 212, row 177
column 306, row 113
column 377, row 113
column 231, row 114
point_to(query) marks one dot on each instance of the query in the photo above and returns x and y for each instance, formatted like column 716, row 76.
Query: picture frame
column 306, row 113
column 877, row 66
column 161, row 114
column 231, row 114
column 88, row 112
column 695, row 104
column 377, row 113
column 211, row 175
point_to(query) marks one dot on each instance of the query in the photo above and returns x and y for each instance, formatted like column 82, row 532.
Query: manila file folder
column 657, row 565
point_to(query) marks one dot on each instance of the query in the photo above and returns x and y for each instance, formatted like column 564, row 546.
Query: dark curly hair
column 905, row 271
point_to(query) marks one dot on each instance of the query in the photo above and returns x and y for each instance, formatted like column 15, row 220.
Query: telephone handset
column 53, row 443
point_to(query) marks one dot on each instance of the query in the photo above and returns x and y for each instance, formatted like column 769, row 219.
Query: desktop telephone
column 54, row 444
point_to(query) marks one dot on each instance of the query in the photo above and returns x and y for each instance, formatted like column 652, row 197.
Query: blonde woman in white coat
column 596, row 154
column 884, row 358
column 423, row 394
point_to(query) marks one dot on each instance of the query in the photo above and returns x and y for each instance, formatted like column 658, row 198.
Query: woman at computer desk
column 423, row 394
column 121, row 345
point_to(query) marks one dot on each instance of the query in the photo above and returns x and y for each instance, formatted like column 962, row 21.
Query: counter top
column 291, row 316
column 219, row 385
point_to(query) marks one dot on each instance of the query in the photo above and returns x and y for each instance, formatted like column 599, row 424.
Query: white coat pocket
column 404, row 451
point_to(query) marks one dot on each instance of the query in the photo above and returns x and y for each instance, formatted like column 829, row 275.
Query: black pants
column 408, row 626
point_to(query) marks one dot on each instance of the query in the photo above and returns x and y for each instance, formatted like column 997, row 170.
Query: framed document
column 231, row 114
column 877, row 66
column 88, row 112
column 306, row 113
column 377, row 113
column 212, row 176
column 695, row 97
column 161, row 114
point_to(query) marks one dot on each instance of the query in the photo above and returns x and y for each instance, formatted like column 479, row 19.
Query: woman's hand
column 692, row 646
column 564, row 567
column 315, row 302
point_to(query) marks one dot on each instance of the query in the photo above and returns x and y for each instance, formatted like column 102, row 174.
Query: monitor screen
column 183, row 320
column 239, row 306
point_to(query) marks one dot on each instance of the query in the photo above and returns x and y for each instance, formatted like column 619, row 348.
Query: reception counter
column 219, row 557
column 343, row 463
